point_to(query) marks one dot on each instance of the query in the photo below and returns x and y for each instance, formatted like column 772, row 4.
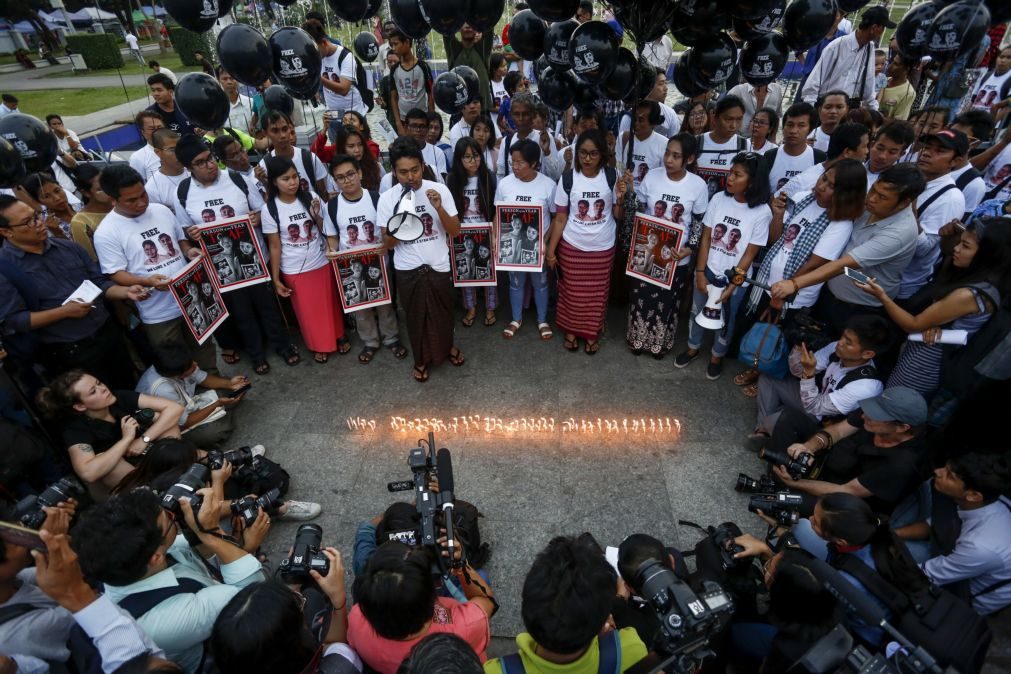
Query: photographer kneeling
column 135, row 547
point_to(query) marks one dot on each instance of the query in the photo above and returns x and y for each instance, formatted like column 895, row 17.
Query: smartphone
column 859, row 277
column 15, row 534
column 239, row 391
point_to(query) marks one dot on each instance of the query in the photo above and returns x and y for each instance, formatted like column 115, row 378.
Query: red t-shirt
column 467, row 621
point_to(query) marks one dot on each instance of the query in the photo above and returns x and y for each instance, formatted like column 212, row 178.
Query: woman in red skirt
column 588, row 199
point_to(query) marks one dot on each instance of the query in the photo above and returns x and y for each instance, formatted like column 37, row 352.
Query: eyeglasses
column 472, row 157
column 203, row 163
column 759, row 122
column 37, row 219
column 589, row 154
column 418, row 127
column 345, row 177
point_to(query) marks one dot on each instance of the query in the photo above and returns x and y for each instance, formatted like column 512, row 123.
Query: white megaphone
column 711, row 316
column 405, row 225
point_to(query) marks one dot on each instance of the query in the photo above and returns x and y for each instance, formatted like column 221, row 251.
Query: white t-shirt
column 145, row 162
column 161, row 189
column 848, row 397
column 222, row 200
column 590, row 226
column 334, row 71
column 412, row 88
column 435, row 158
column 64, row 143
column 308, row 183
column 973, row 192
column 715, row 160
column 119, row 244
column 787, row 166
column 240, row 112
column 471, row 203
column 460, row 130
column 803, row 181
column 675, row 201
column 765, row 148
column 987, row 92
column 302, row 247
column 550, row 163
column 821, row 139
column 357, row 217
column 131, row 41
column 729, row 218
column 498, row 96
column 997, row 171
column 431, row 247
column 539, row 191
column 646, row 156
column 670, row 126
column 831, row 244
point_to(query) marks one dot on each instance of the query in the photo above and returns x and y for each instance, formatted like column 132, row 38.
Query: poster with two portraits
column 514, row 242
column 232, row 259
column 652, row 257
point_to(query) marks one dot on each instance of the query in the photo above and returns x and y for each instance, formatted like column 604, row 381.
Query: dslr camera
column 784, row 507
column 764, row 484
column 249, row 507
column 798, row 468
column 144, row 417
column 305, row 556
column 243, row 456
column 195, row 477
column 723, row 538
column 30, row 508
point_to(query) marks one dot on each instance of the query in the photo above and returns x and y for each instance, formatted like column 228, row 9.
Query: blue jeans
column 517, row 284
column 915, row 508
column 696, row 333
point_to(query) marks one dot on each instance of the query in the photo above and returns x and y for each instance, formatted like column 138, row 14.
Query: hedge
column 100, row 50
column 186, row 42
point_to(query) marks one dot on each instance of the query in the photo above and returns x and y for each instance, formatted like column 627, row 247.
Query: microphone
column 400, row 485
column 444, row 467
column 734, row 273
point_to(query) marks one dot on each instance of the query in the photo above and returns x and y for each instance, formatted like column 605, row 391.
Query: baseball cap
column 877, row 16
column 951, row 139
column 898, row 403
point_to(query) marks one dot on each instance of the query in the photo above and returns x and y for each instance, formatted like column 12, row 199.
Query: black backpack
column 361, row 79
column 934, row 618
column 183, row 190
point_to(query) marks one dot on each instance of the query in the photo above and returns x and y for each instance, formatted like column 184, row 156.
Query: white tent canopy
column 92, row 14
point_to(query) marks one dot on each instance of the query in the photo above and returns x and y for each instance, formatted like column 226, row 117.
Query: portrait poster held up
column 198, row 297
column 235, row 254
column 519, row 245
column 472, row 258
column 362, row 278
column 652, row 256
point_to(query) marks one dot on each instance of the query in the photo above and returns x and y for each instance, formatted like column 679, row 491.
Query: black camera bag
column 259, row 478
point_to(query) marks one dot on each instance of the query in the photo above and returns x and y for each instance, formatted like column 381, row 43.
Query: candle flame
column 479, row 424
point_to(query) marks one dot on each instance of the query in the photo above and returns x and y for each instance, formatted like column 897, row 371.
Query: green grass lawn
column 71, row 102
column 132, row 67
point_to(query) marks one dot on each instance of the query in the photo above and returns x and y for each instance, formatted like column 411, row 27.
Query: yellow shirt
column 897, row 102
column 83, row 228
column 632, row 651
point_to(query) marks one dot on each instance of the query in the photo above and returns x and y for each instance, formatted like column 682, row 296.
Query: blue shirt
column 55, row 274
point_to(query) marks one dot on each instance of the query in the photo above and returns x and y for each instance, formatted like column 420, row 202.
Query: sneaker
column 684, row 358
column 258, row 450
column 714, row 370
column 299, row 511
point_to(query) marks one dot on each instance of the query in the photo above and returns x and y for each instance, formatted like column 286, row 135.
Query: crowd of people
column 851, row 248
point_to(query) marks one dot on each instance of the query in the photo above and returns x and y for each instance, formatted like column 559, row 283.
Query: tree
column 28, row 10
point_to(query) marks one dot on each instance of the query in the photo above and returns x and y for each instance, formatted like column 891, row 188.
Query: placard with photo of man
column 652, row 256
column 235, row 254
column 362, row 278
column 472, row 257
column 519, row 244
column 194, row 290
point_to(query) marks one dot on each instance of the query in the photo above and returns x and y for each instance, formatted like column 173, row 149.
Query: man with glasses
column 145, row 161
column 230, row 152
column 38, row 274
column 161, row 187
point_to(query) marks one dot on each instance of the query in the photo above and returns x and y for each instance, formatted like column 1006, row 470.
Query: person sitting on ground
column 69, row 144
column 176, row 376
column 629, row 609
column 100, row 427
column 567, row 598
column 826, row 383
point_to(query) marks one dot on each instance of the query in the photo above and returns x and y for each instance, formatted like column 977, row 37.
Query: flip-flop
column 367, row 354
column 456, row 357
column 747, row 377
column 261, row 367
column 468, row 320
column 490, row 318
column 545, row 330
column 321, row 358
column 343, row 345
column 591, row 348
column 571, row 343
column 511, row 329
column 751, row 390
column 420, row 373
column 291, row 356
column 399, row 352
column 230, row 358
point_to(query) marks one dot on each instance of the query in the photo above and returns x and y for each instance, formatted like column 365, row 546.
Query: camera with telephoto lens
column 687, row 620
column 195, row 477
column 802, row 328
column 723, row 538
column 797, row 468
column 783, row 507
column 243, row 456
column 144, row 417
column 30, row 508
column 249, row 507
column 305, row 556
column 750, row 485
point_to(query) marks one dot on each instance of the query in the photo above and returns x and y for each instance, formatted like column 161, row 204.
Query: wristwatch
column 148, row 439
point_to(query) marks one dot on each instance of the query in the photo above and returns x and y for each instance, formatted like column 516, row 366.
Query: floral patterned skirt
column 653, row 313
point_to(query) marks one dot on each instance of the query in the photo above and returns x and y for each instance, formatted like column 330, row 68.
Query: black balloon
column 195, row 15
column 276, row 98
column 1000, row 11
column 203, row 101
column 224, row 7
column 373, row 9
column 763, row 59
column 683, row 80
column 712, row 61
column 640, row 22
column 556, row 88
column 286, row 3
column 957, row 29
column 471, row 79
column 297, row 64
column 645, row 81
column 556, row 43
column 593, row 50
column 407, row 15
column 540, row 65
column 444, row 16
column 450, row 92
column 32, row 138
column 752, row 10
column 349, row 10
column 245, row 54
column 366, row 46
column 483, row 15
column 621, row 82
column 851, row 5
column 554, row 10
column 526, row 35
column 696, row 20
column 805, row 22
column 911, row 33
column 586, row 96
column 12, row 166
column 748, row 30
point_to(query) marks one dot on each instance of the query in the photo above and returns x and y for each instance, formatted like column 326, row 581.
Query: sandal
column 420, row 373
column 545, row 331
column 468, row 320
column 343, row 346
column 321, row 358
column 291, row 356
column 367, row 354
column 591, row 347
column 490, row 318
column 511, row 329
column 399, row 352
column 456, row 357
column 747, row 377
column 571, row 343
column 261, row 367
column 751, row 390
column 230, row 356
